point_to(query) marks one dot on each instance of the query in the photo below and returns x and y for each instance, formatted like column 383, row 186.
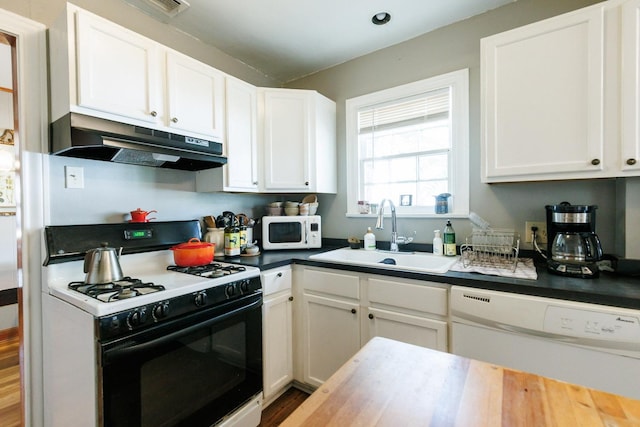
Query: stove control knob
column 200, row 299
column 244, row 286
column 161, row 310
column 137, row 318
column 230, row 290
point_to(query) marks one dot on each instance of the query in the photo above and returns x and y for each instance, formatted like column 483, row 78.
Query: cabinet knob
column 353, row 310
column 154, row 113
column 290, row 298
column 306, row 183
column 255, row 182
column 631, row 162
column 174, row 120
column 595, row 162
column 370, row 315
column 279, row 274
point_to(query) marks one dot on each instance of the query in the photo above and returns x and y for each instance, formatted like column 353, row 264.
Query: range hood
column 88, row 137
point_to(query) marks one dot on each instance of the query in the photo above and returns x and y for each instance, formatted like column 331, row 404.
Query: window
column 409, row 144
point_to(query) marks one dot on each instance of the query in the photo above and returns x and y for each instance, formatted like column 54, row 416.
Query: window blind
column 423, row 107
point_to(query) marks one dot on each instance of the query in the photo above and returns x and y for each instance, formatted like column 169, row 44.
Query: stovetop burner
column 115, row 291
column 212, row 270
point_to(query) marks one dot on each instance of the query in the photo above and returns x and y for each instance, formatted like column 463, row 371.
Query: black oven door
column 189, row 372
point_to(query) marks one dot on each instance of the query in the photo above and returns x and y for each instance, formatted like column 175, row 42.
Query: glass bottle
column 449, row 240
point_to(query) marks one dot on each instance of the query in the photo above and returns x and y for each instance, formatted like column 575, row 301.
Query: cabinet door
column 195, row 97
column 331, row 334
column 241, row 171
column 286, row 139
column 542, row 99
column 630, row 159
column 277, row 342
column 117, row 70
column 415, row 330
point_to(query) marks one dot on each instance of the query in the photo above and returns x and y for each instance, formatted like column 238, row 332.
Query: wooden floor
column 10, row 408
column 276, row 413
column 10, row 415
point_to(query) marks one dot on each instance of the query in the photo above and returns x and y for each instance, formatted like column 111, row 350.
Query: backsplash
column 112, row 190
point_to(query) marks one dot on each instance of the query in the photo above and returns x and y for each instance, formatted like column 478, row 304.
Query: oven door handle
column 118, row 353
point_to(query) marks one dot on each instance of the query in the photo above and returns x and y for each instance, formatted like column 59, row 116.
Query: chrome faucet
column 395, row 239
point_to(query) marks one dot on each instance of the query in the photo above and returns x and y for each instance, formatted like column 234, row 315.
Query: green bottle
column 449, row 240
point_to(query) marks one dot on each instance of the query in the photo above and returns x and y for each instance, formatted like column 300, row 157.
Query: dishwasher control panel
column 581, row 323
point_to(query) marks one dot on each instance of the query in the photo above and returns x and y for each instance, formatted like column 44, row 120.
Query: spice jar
column 232, row 240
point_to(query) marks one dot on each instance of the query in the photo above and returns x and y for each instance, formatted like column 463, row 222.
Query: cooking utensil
column 210, row 221
column 141, row 216
column 226, row 219
column 102, row 265
column 193, row 253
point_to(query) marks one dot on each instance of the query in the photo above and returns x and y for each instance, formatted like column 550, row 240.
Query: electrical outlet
column 74, row 176
column 541, row 233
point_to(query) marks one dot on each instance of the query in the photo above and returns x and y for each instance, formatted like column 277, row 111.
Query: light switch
column 74, row 177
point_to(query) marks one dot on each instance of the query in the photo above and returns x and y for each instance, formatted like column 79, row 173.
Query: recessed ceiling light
column 381, row 18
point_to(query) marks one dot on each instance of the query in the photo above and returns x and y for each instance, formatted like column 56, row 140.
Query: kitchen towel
column 524, row 270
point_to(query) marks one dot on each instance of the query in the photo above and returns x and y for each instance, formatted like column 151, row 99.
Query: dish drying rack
column 494, row 248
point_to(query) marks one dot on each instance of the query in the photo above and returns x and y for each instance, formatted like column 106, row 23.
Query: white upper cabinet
column 240, row 174
column 551, row 97
column 630, row 71
column 102, row 69
column 195, row 96
column 117, row 70
column 299, row 141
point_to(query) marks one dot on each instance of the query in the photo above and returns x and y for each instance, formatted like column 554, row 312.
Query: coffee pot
column 576, row 248
column 573, row 246
column 102, row 265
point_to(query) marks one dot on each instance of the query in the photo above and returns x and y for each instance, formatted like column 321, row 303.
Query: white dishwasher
column 592, row 345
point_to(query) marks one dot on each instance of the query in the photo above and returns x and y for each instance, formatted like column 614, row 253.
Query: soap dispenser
column 369, row 240
column 437, row 243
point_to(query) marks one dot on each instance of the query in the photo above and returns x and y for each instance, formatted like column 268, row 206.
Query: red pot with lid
column 193, row 253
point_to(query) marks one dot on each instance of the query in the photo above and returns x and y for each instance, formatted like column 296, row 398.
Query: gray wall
column 447, row 49
column 113, row 190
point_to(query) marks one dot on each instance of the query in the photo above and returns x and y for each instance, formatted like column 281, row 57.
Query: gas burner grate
column 212, row 270
column 125, row 288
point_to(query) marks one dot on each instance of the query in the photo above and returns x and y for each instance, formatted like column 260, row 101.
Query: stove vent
column 162, row 10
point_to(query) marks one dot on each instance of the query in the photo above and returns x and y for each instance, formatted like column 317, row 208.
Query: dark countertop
column 608, row 289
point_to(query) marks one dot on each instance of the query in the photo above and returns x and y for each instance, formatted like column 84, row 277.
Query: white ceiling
column 288, row 39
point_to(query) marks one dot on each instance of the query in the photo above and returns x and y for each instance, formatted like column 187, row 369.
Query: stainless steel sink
column 423, row 262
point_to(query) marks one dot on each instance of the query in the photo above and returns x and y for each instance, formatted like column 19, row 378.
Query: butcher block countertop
column 389, row 383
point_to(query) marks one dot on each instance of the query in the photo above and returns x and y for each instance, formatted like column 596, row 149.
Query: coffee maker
column 573, row 247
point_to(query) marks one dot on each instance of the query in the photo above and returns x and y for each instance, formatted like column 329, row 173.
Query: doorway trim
column 32, row 209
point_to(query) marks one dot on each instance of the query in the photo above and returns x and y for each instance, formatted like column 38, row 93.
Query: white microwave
column 291, row 232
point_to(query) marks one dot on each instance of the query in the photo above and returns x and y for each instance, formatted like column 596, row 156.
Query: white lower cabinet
column 341, row 311
column 407, row 311
column 330, row 318
column 277, row 333
column 407, row 328
column 333, row 332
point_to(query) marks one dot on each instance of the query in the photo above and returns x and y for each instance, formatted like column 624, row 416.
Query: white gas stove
column 113, row 350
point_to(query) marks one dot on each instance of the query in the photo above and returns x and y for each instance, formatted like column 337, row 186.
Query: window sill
column 410, row 215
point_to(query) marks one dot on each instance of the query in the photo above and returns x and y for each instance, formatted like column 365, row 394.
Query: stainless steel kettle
column 102, row 265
